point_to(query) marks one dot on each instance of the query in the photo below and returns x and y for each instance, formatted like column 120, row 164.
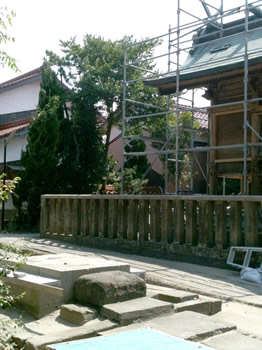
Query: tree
column 95, row 69
column 5, row 22
column 64, row 153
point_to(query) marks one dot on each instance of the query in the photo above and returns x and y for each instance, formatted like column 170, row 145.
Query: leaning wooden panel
column 221, row 224
column 235, row 237
column 251, row 234
column 191, row 236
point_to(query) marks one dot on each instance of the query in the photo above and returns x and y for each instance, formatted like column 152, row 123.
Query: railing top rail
column 157, row 197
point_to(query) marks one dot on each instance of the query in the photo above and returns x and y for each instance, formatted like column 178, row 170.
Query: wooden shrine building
column 227, row 62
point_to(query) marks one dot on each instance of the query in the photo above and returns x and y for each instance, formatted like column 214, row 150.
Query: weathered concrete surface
column 173, row 296
column 136, row 309
column 205, row 280
column 108, row 287
column 77, row 314
column 37, row 301
column 186, row 325
column 86, row 331
column 203, row 305
column 234, row 340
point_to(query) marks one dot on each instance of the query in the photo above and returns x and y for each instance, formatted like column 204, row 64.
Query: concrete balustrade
column 196, row 225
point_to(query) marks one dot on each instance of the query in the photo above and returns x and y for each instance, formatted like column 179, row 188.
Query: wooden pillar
column 122, row 218
column 179, row 222
column 166, row 219
column 221, row 224
column 191, row 229
column 206, row 223
column 103, row 218
column 112, row 218
column 251, row 234
column 155, row 220
column 143, row 219
column 235, row 223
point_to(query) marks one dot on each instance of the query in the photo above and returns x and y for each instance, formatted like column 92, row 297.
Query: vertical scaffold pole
column 245, row 98
column 123, row 121
column 192, row 143
column 177, row 96
column 167, row 116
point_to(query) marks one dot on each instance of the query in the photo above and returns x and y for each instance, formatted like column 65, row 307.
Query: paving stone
column 203, row 305
column 86, row 331
column 141, row 308
column 175, row 296
column 186, row 325
column 108, row 287
column 77, row 314
column 234, row 340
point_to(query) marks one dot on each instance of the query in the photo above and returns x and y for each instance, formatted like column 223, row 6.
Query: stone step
column 234, row 340
column 203, row 305
column 87, row 331
column 173, row 296
column 77, row 314
column 187, row 325
column 129, row 311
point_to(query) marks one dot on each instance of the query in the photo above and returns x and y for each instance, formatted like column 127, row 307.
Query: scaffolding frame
column 176, row 46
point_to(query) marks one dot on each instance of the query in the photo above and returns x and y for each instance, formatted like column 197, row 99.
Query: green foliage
column 5, row 22
column 65, row 150
column 95, row 69
column 131, row 179
column 7, row 187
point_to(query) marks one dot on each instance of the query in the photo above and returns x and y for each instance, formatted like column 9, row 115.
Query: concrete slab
column 141, row 339
column 129, row 311
column 187, row 325
column 203, row 305
column 86, row 331
column 77, row 314
column 174, row 296
column 233, row 341
column 45, row 271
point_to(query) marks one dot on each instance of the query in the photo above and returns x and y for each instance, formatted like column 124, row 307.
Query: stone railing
column 198, row 225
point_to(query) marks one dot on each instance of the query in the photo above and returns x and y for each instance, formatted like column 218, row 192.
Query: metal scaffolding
column 179, row 43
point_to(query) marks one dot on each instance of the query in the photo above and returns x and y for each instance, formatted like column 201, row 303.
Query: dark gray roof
column 214, row 55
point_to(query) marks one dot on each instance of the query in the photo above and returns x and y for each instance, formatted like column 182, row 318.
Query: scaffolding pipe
column 245, row 98
column 123, row 122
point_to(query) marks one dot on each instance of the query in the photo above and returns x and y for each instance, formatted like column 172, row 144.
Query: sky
column 39, row 25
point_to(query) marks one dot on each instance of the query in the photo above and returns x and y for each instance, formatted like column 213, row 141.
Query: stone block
column 206, row 306
column 108, row 287
column 175, row 296
column 77, row 314
column 83, row 332
column 129, row 311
